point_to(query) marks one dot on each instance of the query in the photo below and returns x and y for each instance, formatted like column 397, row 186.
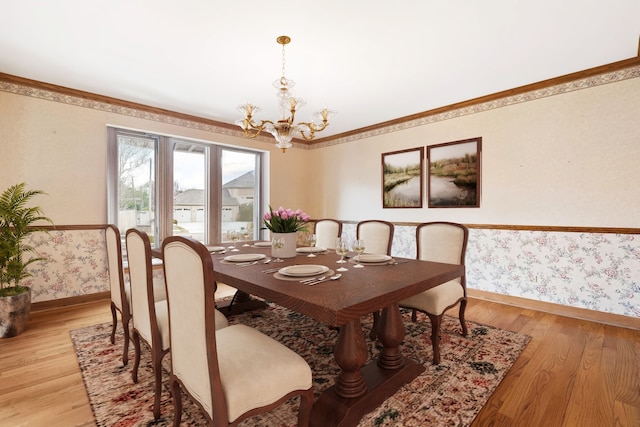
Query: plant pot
column 289, row 250
column 14, row 314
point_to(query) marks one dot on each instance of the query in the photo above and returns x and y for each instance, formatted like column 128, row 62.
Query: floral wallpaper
column 75, row 265
column 596, row 271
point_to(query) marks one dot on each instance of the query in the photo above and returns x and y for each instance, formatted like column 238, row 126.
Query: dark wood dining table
column 342, row 303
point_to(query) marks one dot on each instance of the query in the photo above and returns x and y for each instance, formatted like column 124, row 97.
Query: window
column 173, row 186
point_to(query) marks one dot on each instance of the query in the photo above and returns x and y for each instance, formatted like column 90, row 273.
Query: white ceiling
column 369, row 60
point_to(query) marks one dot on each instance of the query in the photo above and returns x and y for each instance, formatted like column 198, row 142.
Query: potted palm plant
column 17, row 222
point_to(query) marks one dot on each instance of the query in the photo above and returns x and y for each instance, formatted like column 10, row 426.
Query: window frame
column 164, row 187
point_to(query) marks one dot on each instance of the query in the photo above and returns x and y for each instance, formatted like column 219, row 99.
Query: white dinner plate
column 303, row 270
column 262, row 244
column 308, row 249
column 372, row 258
column 215, row 248
column 244, row 257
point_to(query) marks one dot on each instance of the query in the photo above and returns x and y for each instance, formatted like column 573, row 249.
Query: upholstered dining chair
column 119, row 294
column 150, row 318
column 121, row 289
column 232, row 373
column 326, row 231
column 440, row 242
column 378, row 237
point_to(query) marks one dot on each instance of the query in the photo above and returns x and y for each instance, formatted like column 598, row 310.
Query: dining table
column 341, row 303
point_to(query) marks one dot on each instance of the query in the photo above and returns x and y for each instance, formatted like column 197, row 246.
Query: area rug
column 450, row 394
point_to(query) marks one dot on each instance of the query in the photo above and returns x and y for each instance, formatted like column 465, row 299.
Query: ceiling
column 369, row 60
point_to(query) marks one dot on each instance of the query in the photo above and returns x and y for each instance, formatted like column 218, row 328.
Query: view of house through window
column 239, row 185
column 214, row 190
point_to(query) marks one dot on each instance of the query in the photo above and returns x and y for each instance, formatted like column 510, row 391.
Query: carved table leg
column 350, row 354
column 391, row 333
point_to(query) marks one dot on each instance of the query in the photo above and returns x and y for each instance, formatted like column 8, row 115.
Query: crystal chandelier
column 285, row 129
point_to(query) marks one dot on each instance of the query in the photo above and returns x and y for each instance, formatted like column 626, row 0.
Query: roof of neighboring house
column 247, row 180
column 195, row 197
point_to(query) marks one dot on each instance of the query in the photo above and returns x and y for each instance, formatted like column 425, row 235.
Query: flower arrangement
column 283, row 220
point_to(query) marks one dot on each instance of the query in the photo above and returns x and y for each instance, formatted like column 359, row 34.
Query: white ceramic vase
column 289, row 250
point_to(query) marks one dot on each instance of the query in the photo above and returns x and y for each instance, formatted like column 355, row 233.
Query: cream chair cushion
column 221, row 320
column 162, row 318
column 436, row 300
column 244, row 354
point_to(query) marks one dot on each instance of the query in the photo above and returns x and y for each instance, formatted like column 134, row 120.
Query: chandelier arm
column 256, row 128
column 309, row 134
column 312, row 128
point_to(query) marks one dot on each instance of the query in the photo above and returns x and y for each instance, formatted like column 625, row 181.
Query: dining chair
column 232, row 373
column 326, row 231
column 440, row 242
column 119, row 293
column 378, row 237
column 120, row 288
column 150, row 318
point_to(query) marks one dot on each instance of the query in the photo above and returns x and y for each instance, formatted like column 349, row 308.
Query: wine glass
column 358, row 248
column 235, row 236
column 277, row 244
column 245, row 235
column 342, row 248
column 311, row 241
column 229, row 234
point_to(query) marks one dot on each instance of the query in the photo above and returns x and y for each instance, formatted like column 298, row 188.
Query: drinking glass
column 235, row 236
column 277, row 244
column 229, row 234
column 358, row 248
column 245, row 235
column 342, row 248
column 311, row 241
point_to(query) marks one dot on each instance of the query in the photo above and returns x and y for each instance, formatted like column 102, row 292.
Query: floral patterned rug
column 450, row 394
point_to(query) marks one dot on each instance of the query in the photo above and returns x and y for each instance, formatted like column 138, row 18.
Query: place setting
column 311, row 249
column 307, row 274
column 243, row 260
column 370, row 259
column 261, row 244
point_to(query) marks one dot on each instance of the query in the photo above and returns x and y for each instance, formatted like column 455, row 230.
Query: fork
column 246, row 264
column 313, row 279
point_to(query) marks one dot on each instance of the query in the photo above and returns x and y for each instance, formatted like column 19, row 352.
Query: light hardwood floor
column 572, row 373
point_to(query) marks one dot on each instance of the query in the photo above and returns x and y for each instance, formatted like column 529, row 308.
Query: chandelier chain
column 283, row 61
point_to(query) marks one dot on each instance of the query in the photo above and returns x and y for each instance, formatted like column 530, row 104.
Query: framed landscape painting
column 454, row 174
column 402, row 178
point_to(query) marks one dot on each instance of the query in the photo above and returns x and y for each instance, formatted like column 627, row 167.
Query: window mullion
column 214, row 195
column 165, row 188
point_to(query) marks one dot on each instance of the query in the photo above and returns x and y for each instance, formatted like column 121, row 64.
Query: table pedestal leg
column 391, row 333
column 359, row 391
column 350, row 354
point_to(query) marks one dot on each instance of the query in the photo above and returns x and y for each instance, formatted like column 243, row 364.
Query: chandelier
column 285, row 129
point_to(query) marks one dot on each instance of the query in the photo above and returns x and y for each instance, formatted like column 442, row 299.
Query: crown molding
column 609, row 73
